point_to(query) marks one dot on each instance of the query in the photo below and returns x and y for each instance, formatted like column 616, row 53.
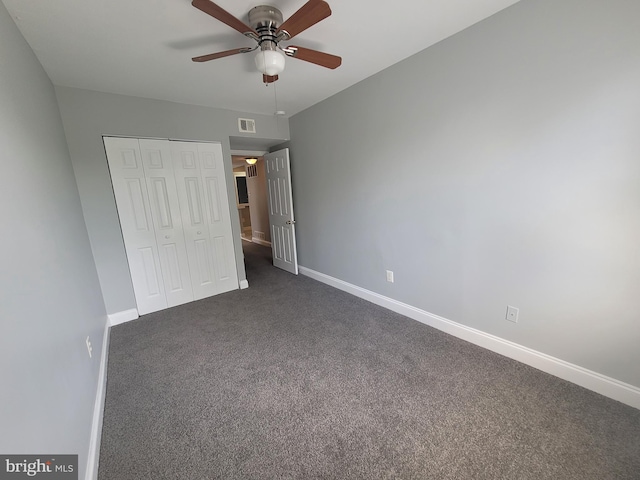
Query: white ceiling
column 144, row 47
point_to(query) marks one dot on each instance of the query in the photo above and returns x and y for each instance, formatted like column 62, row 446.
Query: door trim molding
column 607, row 386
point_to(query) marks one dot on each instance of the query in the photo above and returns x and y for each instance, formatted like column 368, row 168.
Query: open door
column 281, row 219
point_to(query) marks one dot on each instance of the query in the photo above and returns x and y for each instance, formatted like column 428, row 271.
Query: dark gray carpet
column 294, row 379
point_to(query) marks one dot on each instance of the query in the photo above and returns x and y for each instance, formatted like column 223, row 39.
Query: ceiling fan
column 268, row 30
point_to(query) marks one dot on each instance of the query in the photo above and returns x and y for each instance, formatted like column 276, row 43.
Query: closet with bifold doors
column 174, row 213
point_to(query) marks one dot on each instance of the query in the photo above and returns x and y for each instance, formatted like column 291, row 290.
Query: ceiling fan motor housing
column 265, row 20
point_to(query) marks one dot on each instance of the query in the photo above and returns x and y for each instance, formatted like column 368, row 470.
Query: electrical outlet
column 389, row 276
column 89, row 347
column 512, row 314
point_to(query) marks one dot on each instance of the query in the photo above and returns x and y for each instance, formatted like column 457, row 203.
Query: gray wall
column 88, row 115
column 500, row 166
column 51, row 299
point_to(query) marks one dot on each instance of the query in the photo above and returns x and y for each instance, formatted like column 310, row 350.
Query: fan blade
column 309, row 14
column 208, row 7
column 226, row 53
column 314, row 56
column 269, row 78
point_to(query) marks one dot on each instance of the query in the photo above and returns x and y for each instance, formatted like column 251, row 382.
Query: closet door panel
column 186, row 169
column 165, row 210
column 218, row 215
column 134, row 210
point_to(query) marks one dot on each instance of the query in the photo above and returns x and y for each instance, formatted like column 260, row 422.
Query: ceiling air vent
column 246, row 125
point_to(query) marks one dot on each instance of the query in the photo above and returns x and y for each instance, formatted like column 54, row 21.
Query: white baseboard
column 259, row 241
column 244, row 284
column 607, row 386
column 122, row 317
column 98, row 409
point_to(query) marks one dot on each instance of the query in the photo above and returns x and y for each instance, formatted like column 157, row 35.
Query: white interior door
column 167, row 220
column 216, row 200
column 281, row 219
column 174, row 213
column 187, row 173
column 199, row 172
column 130, row 189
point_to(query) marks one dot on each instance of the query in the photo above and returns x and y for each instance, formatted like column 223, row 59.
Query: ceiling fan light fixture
column 251, row 161
column 270, row 61
column 267, row 28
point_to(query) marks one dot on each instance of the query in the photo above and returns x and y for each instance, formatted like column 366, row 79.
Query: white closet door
column 130, row 189
column 186, row 168
column 165, row 210
column 199, row 172
column 219, row 218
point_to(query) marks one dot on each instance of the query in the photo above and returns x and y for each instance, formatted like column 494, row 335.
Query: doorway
column 251, row 199
column 271, row 222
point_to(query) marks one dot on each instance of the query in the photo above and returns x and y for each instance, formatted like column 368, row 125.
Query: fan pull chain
column 275, row 96
column 275, row 112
